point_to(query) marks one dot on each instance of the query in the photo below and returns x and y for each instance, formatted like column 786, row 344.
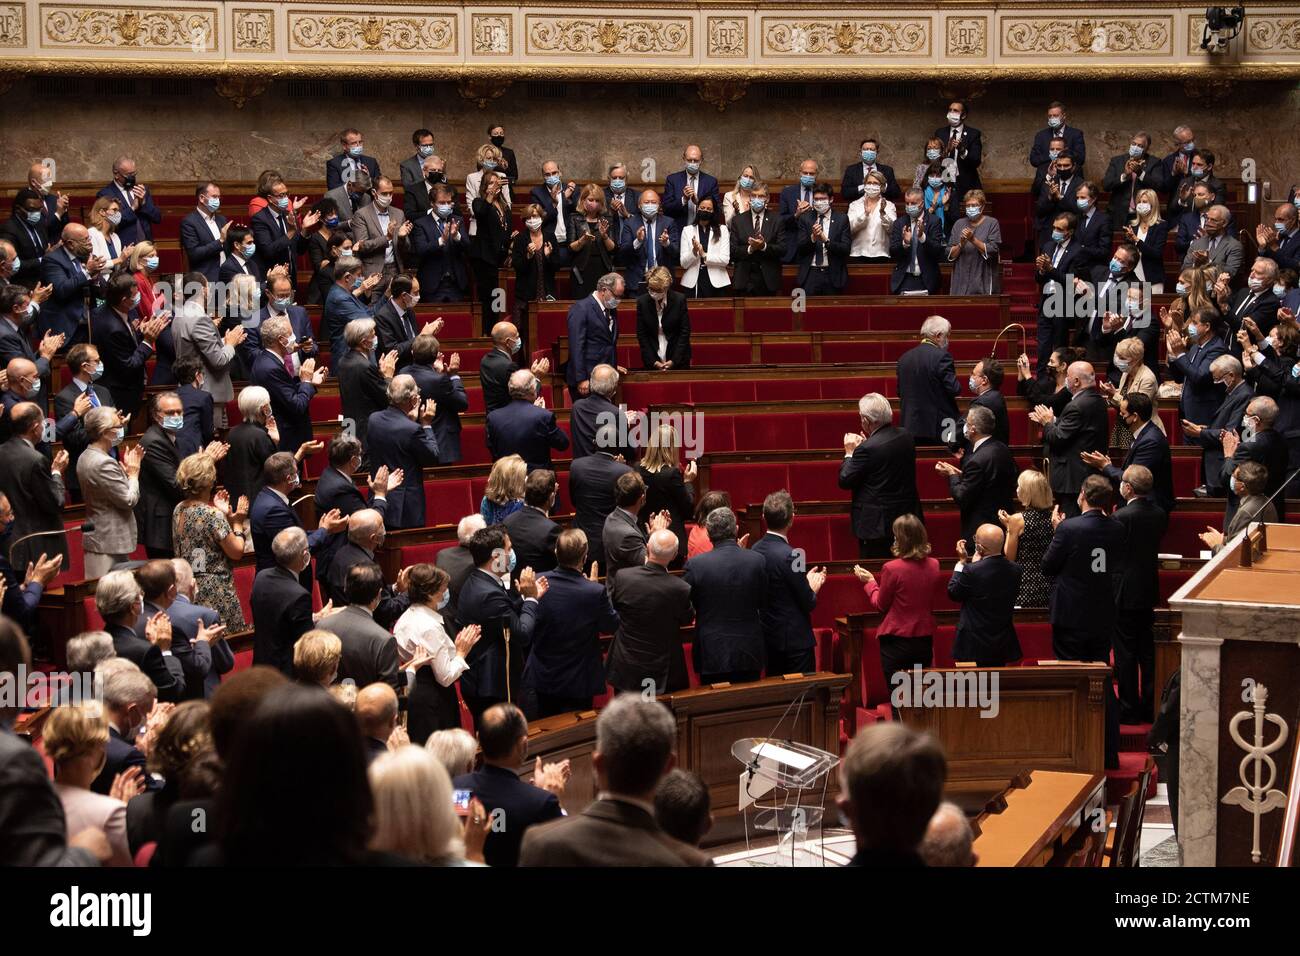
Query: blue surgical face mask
column 1194, row 330
column 649, row 209
column 98, row 372
column 1082, row 203
column 34, row 216
column 282, row 202
column 1279, row 290
column 972, row 212
column 515, row 346
column 282, row 305
column 489, row 164
column 426, row 151
column 553, row 179
column 617, row 185
column 914, row 211
column 1054, row 122
column 1189, row 147
column 332, row 221
column 974, row 383
column 868, row 155
column 173, row 423
column 693, row 167
column 758, row 205
column 444, row 210
column 1053, row 154
column 935, row 182
column 1198, row 172
column 249, row 249
column 445, row 599
column 806, row 180
column 1181, row 288
column 746, row 182
column 34, row 389
column 933, row 154
column 119, row 434
column 214, row 203
column 151, row 262
column 1058, row 235
column 1116, row 267
column 15, row 264
column 1135, row 150
column 356, row 282
column 1119, row 363
column 135, row 302
column 355, row 150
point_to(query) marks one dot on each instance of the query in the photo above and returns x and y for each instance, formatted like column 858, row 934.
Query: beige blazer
column 110, row 501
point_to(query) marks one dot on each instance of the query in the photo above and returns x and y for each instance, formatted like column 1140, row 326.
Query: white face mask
column 871, row 189
column 533, row 223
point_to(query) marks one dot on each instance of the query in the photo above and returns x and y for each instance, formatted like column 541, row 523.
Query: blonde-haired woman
column 143, row 262
column 1029, row 532
column 489, row 241
column 75, row 738
column 1193, row 292
column 105, row 216
column 1149, row 234
column 414, row 816
column 706, row 253
column 316, row 657
column 488, row 159
column 905, row 594
column 973, row 248
column 736, row 200
column 871, row 217
column 209, row 535
column 667, row 486
column 504, row 494
column 591, row 241
column 454, row 748
column 1135, row 378
column 245, row 299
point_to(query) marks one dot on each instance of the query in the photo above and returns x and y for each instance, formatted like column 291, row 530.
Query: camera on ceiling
column 1221, row 25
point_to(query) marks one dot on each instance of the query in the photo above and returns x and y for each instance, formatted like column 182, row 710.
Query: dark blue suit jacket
column 334, row 169
column 986, row 632
column 787, row 619
column 674, row 203
column 198, row 429
column 269, row 516
column 136, row 224
column 483, row 601
column 122, row 755
column 202, row 251
column 729, row 591
column 1039, row 152
column 336, row 490
column 124, row 355
column 65, row 310
column 542, row 196
column 1084, row 560
column 837, row 244
column 1150, row 449
column 523, row 429
column 636, row 260
column 438, row 255
column 522, row 805
column 340, row 308
column 1201, row 398
column 928, row 254
column 290, row 399
column 395, row 440
column 274, row 246
column 790, row 196
column 185, row 617
column 927, row 389
column 592, row 340
column 449, row 392
column 566, row 657
column 299, row 321
column 1287, row 253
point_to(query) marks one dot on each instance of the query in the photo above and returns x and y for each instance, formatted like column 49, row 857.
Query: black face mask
column 129, row 181
column 706, row 216
column 498, row 141
column 436, row 177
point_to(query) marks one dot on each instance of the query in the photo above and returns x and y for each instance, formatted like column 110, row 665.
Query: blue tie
column 94, row 399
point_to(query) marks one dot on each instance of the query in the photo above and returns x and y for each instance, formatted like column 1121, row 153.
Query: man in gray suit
column 110, row 489
column 351, row 196
column 379, row 231
column 369, row 651
column 623, row 539
column 1214, row 246
column 194, row 333
column 34, row 486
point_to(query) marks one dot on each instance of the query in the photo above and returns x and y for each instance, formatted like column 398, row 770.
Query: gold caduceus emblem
column 1257, row 797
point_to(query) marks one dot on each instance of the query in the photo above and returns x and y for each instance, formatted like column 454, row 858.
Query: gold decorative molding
column 1087, row 36
column 610, row 36
column 482, row 90
column 240, row 89
column 491, row 34
column 722, row 93
column 133, row 28
column 254, row 31
column 1271, row 34
column 728, row 36
column 317, row 31
column 785, row 36
column 13, row 25
column 967, row 36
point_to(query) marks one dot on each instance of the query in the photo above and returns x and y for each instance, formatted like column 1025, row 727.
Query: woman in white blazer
column 707, row 242
column 871, row 219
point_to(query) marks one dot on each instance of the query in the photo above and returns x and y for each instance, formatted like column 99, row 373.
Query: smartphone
column 460, row 800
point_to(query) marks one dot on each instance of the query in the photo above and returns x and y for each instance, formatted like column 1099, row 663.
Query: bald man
column 949, row 839
column 139, row 214
column 72, row 272
column 34, row 486
column 653, row 606
column 1084, row 425
column 985, row 584
column 496, row 367
column 376, row 710
column 524, row 426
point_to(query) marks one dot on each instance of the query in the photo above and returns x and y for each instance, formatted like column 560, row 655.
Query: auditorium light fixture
column 1221, row 25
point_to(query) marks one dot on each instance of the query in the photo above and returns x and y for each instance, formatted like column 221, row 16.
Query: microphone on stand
column 83, row 527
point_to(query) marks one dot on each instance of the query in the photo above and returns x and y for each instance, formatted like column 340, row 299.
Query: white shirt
column 976, row 447
column 561, row 228
column 421, row 630
column 663, row 339
column 383, row 218
column 872, row 238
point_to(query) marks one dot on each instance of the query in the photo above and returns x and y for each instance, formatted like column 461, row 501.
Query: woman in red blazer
column 905, row 594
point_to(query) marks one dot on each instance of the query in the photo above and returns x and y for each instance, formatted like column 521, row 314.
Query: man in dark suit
column 440, row 382
column 203, row 232
column 418, row 196
column 365, row 535
column 1093, row 232
column 363, row 384
column 565, row 668
column 685, row 189
column 856, row 173
column 823, row 249
column 1176, row 162
column 1128, row 174
column 23, row 587
column 343, row 167
column 272, row 511
column 401, row 437
column 1047, row 171
column 129, row 696
column 1057, row 128
column 1137, row 593
column 559, row 201
column 1057, row 195
column 622, row 201
column 396, row 323
column 27, row 229
column 1281, row 242
column 33, row 485
column 524, row 428
column 123, row 349
column 120, row 602
column 622, row 537
column 729, row 591
column 963, row 151
column 663, row 323
column 281, row 605
column 986, row 385
column 458, row 561
column 796, row 199
column 653, row 606
column 986, row 481
column 498, row 365
column 928, row 387
column 1236, row 395
column 280, row 304
column 139, row 214
column 758, row 240
column 596, row 409
column 279, row 235
column 532, row 532
column 503, row 742
column 507, row 617
column 73, row 402
column 290, row 395
column 412, row 169
column 251, row 444
column 1084, row 425
column 1103, row 309
column 916, row 246
column 1149, row 448
column 880, row 469
column 188, row 618
column 1258, row 441
column 791, row 592
column 986, row 586
column 649, row 239
column 343, row 302
column 193, row 646
column 369, row 649
column 1189, row 226
column 591, row 491
column 593, row 332
column 1256, row 303
column 73, row 274
column 1191, row 362
column 635, row 739
column 439, row 243
column 159, row 493
column 1200, row 171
